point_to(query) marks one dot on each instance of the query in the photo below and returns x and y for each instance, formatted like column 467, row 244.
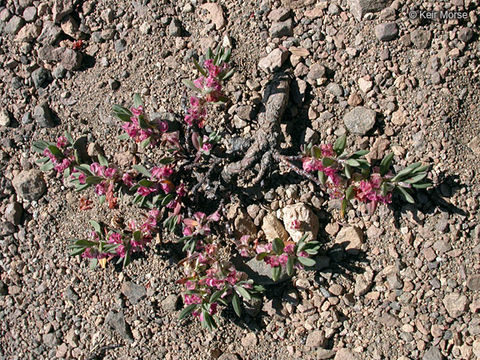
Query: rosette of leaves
column 44, row 163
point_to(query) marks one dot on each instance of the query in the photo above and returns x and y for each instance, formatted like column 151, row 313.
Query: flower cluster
column 59, row 155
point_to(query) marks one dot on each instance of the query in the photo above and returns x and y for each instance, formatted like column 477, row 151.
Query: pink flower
column 199, row 83
column 131, row 129
column 100, row 189
column 282, row 259
column 163, row 126
column 189, row 120
column 162, row 172
column 261, row 248
column 145, row 191
column 327, row 150
column 166, row 186
column 289, row 248
column 206, row 147
column 137, row 111
column 82, row 178
column 61, row 141
column 48, row 153
column 213, row 309
column 192, row 299
column 61, row 167
column 310, row 164
column 194, row 101
column 295, row 224
column 97, row 169
column 181, row 190
column 110, row 172
column 144, row 134
column 214, row 283
column 127, row 179
column 273, row 261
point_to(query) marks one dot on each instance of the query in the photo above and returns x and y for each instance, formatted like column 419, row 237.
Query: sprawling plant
column 167, row 191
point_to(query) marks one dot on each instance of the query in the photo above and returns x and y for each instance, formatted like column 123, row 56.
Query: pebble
column 117, row 321
column 361, row 7
column 4, row 118
column 273, row 228
column 133, row 292
column 43, row 116
column 386, row 31
column 359, row 120
column 433, row 354
column 175, row 28
column 280, row 29
column 41, row 77
column 316, row 339
column 215, row 14
column 456, row 304
column 420, row 38
column 273, row 61
column 473, row 282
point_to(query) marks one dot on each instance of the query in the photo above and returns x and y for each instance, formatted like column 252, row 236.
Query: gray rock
column 43, row 116
column 316, row 339
column 420, row 38
column 59, row 72
column 245, row 112
column 170, row 303
column 386, row 31
column 473, row 282
column 114, row 84
column 4, row 118
column 229, row 356
column 259, row 271
column 133, row 292
column 465, row 34
column 120, row 45
column 317, row 71
column 359, row 120
column 116, row 320
column 175, row 28
column 324, row 354
column 280, row 29
column 456, row 304
column 29, row 185
column 50, row 340
column 30, row 13
column 14, row 212
column 50, row 33
column 7, row 228
column 279, row 14
column 433, row 354
column 273, row 61
column 363, row 282
column 360, row 7
column 14, row 25
column 71, row 294
column 335, row 89
column 41, row 78
column 71, row 59
column 62, row 8
column 27, row 118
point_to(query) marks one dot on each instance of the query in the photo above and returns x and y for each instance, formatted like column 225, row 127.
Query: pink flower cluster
column 108, row 173
column 199, row 225
column 368, row 191
column 276, row 260
column 139, row 134
column 60, row 165
column 211, row 87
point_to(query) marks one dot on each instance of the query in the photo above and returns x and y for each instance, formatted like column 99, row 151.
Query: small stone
column 361, row 7
column 30, row 14
column 28, row 33
column 386, row 31
column 355, row 99
column 456, row 304
column 61, row 351
column 465, row 34
column 273, row 61
column 228, row 356
column 359, row 120
column 363, row 282
column 365, row 85
column 473, row 282
column 43, row 116
column 279, row 14
column 273, row 228
column 120, row 45
column 308, row 222
column 345, row 354
column 215, row 14
column 59, row 72
column 29, row 185
column 41, row 78
column 398, row 118
column 14, row 25
column 145, row 28
column 114, row 84
column 133, row 292
column 317, row 71
column 3, row 288
column 50, row 340
column 175, row 28
column 245, row 112
column 14, row 212
column 249, row 340
column 420, row 38
column 62, row 8
column 4, row 118
column 116, row 320
column 316, row 339
column 244, row 225
column 433, row 354
column 170, row 303
column 336, row 289
column 50, row 33
column 335, row 89
column 71, row 59
column 280, row 29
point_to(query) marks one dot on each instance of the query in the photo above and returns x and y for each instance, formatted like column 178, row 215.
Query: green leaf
column 322, row 177
column 216, row 295
column 69, row 138
column 360, row 153
column 350, row 193
column 84, row 242
column 416, row 179
column 422, row 186
column 241, row 290
column 420, row 169
column 306, row 261
column 276, row 273
column 316, row 152
column 327, row 161
column 290, row 263
column 186, row 311
column 352, row 162
column 199, row 68
column 40, row 146
column 278, row 246
column 348, row 171
column 226, row 55
column 146, row 142
column 77, row 251
column 145, row 182
column 236, row 304
column 209, row 53
column 228, row 75
column 96, row 226
column 344, row 207
column 142, row 170
column 123, row 136
column 166, row 160
column 142, row 122
column 47, row 166
column 137, row 101
column 406, row 195
column 190, row 85
column 402, row 174
column 102, row 160
column 385, row 164
column 55, row 151
column 122, row 113
column 340, row 144
column 92, row 180
column 167, row 199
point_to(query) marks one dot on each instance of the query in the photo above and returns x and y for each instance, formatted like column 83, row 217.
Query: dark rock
column 7, row 228
column 3, row 288
column 14, row 212
column 465, row 34
column 43, row 116
column 259, row 271
column 133, row 292
column 59, row 72
column 280, row 29
column 41, row 78
column 253, row 306
column 116, row 320
column 175, row 28
column 29, row 185
column 360, row 120
column 386, row 31
column 114, row 84
column 420, row 38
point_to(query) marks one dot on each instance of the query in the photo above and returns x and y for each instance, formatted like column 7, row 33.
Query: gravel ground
column 410, row 290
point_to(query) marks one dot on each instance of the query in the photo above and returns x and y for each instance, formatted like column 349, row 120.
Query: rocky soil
column 407, row 283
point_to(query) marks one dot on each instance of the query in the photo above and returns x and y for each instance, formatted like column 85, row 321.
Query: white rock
column 273, row 228
column 4, row 118
column 215, row 14
column 365, row 85
column 308, row 221
column 351, row 237
column 273, row 61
